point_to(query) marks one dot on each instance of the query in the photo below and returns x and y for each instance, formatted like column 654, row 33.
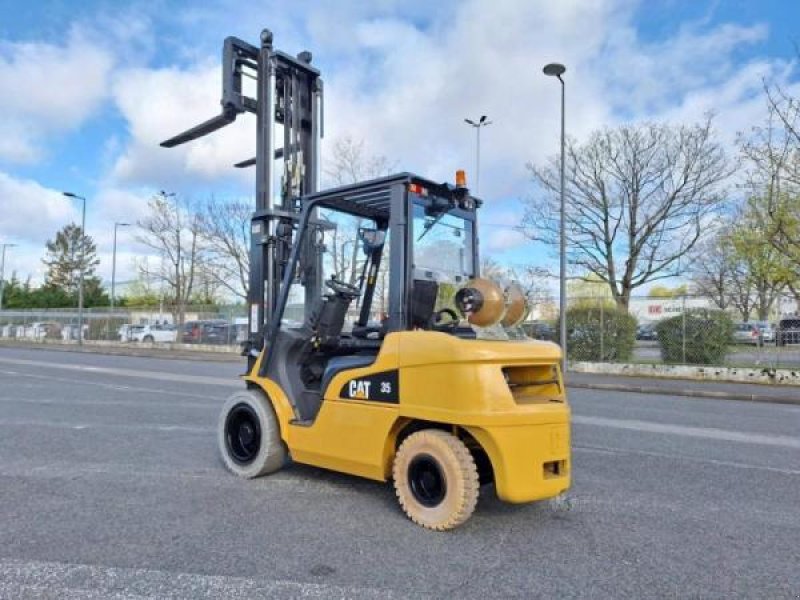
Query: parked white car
column 767, row 331
column 40, row 331
column 153, row 333
column 127, row 330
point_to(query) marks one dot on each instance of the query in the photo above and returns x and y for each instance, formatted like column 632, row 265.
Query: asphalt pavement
column 697, row 388
column 110, row 486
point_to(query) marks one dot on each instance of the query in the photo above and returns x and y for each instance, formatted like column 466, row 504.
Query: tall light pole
column 83, row 260
column 3, row 270
column 557, row 70
column 482, row 122
column 114, row 263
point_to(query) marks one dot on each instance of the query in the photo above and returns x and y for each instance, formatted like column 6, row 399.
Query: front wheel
column 435, row 479
column 249, row 435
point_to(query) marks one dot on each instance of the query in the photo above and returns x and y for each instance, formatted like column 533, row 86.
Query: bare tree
column 738, row 268
column 767, row 269
column 712, row 269
column 781, row 134
column 349, row 162
column 225, row 230
column 769, row 154
column 175, row 235
column 491, row 269
column 772, row 154
column 534, row 283
column 639, row 198
column 531, row 279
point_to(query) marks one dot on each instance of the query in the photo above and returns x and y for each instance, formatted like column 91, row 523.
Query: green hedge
column 599, row 334
column 709, row 334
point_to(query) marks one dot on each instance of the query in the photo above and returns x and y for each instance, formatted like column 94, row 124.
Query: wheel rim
column 426, row 480
column 243, row 434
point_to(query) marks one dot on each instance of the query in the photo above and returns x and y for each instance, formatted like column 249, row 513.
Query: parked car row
column 42, row 331
column 646, row 332
column 214, row 331
column 539, row 330
column 208, row 331
column 758, row 333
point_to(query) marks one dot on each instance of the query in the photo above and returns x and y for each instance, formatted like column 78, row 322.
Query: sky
column 90, row 88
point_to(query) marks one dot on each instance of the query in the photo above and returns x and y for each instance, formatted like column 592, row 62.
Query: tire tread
column 467, row 469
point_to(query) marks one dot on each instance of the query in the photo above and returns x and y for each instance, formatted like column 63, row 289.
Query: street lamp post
column 3, row 270
column 557, row 70
column 482, row 122
column 114, row 264
column 83, row 260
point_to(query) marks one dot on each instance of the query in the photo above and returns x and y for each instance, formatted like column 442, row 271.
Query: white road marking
column 635, row 425
column 113, row 371
column 682, row 458
column 709, row 433
column 125, row 472
column 117, row 426
column 110, row 386
column 35, row 579
column 139, row 404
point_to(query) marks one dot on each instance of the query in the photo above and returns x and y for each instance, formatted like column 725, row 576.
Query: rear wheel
column 436, row 479
column 249, row 435
column 149, row 339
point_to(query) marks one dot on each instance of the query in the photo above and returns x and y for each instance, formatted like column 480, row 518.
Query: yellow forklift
column 375, row 348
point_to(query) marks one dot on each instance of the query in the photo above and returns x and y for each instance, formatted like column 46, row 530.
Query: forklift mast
column 289, row 93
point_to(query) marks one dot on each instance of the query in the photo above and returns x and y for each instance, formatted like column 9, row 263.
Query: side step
column 302, row 422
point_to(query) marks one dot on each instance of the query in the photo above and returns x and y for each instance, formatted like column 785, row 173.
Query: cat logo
column 359, row 389
column 376, row 387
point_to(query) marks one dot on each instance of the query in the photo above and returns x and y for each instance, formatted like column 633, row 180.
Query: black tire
column 249, row 436
column 436, row 479
column 148, row 339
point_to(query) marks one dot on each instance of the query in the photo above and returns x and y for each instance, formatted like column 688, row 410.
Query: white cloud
column 402, row 83
column 160, row 103
column 47, row 89
column 30, row 212
column 647, row 78
column 123, row 205
column 498, row 231
column 113, row 205
column 401, row 77
column 410, row 87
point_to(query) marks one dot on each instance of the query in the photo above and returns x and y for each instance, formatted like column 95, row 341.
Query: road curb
column 691, row 393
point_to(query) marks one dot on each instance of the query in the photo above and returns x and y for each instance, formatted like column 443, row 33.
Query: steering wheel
column 449, row 326
column 340, row 287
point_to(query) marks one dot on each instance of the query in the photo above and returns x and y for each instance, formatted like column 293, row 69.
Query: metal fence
column 677, row 330
column 222, row 325
column 674, row 330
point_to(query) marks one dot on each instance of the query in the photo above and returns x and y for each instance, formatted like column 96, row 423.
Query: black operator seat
column 326, row 321
column 423, row 303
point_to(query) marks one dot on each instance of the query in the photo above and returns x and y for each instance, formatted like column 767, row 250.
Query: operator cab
column 367, row 259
